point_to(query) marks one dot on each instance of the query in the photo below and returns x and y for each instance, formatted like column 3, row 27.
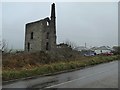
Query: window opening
column 47, row 23
column 31, row 35
column 47, row 44
column 47, row 35
column 28, row 47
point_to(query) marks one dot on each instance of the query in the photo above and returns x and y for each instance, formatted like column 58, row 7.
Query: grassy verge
column 10, row 74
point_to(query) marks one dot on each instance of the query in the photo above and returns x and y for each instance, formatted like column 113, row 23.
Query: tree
column 116, row 49
column 4, row 45
column 70, row 44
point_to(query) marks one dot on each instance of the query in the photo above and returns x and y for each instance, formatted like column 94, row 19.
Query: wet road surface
column 99, row 76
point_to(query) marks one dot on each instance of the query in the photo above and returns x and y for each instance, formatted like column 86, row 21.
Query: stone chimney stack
column 53, row 11
column 53, row 28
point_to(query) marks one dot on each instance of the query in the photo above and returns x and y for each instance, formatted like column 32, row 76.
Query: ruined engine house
column 41, row 35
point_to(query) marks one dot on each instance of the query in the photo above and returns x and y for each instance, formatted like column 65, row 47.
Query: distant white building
column 102, row 49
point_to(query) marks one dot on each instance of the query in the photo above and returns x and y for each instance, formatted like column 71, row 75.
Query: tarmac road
column 99, row 76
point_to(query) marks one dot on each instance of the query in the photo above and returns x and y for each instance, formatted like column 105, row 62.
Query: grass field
column 16, row 68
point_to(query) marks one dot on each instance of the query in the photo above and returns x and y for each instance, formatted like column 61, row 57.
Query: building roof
column 101, row 48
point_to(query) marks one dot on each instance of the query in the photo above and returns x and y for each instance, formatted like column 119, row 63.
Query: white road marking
column 77, row 79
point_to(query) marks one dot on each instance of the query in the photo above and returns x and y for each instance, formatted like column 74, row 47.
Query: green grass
column 10, row 74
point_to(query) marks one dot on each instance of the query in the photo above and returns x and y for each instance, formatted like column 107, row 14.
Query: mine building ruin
column 41, row 35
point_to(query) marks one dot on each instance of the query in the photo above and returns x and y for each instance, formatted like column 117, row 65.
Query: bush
column 23, row 59
column 21, row 65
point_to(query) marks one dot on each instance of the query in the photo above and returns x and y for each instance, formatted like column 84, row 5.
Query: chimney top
column 53, row 11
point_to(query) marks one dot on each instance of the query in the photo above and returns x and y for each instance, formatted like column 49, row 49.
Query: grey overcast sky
column 95, row 23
